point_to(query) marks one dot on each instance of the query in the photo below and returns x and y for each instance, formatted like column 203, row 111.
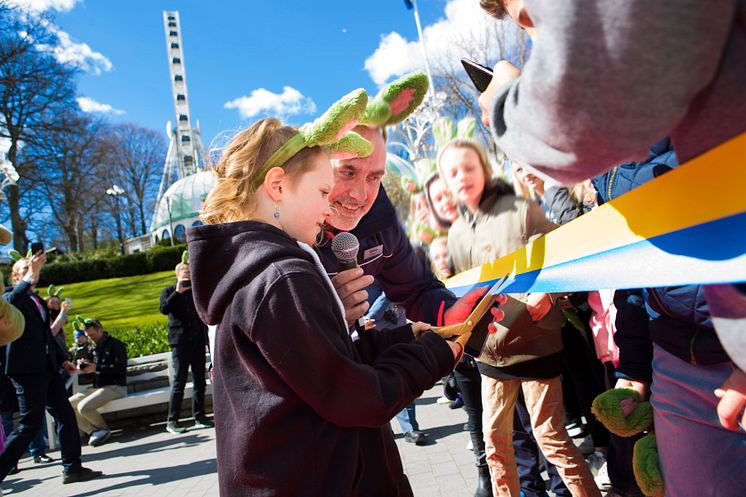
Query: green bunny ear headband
column 444, row 130
column 185, row 257
column 82, row 321
column 397, row 100
column 53, row 291
column 16, row 255
column 331, row 130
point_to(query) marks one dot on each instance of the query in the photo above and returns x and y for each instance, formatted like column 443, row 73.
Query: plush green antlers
column 397, row 100
column 331, row 130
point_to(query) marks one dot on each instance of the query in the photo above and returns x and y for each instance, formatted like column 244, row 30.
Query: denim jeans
column 699, row 458
column 38, row 445
column 407, row 419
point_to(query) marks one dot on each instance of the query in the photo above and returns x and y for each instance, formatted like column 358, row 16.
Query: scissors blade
column 485, row 303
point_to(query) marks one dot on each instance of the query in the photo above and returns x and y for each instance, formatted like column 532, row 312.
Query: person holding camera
column 32, row 363
column 110, row 369
column 187, row 338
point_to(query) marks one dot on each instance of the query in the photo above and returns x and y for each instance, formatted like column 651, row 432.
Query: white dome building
column 179, row 207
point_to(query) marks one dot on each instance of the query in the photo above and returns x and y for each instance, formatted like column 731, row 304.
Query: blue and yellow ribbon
column 685, row 227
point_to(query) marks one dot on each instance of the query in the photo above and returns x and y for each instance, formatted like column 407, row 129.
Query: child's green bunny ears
column 16, row 255
column 397, row 100
column 444, row 130
column 331, row 130
column 53, row 291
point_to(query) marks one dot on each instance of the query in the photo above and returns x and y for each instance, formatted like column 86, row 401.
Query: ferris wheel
column 186, row 154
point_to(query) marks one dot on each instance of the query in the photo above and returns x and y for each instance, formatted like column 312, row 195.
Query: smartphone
column 69, row 302
column 37, row 247
column 512, row 309
column 186, row 284
column 480, row 75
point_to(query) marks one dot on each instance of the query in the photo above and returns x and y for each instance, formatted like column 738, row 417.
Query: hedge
column 143, row 340
column 154, row 260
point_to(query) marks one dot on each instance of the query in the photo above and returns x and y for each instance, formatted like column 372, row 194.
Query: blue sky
column 232, row 49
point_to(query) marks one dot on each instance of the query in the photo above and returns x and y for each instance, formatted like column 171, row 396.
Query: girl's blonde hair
column 233, row 196
column 489, row 174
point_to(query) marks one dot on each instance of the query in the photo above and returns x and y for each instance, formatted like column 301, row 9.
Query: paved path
column 155, row 463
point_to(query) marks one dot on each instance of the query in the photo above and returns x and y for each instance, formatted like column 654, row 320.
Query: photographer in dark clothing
column 187, row 338
column 110, row 370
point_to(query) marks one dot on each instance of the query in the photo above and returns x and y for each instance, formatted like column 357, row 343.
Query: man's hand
column 183, row 285
column 34, row 269
column 732, row 397
column 459, row 311
column 350, row 285
column 504, row 72
column 70, row 368
column 641, row 387
column 538, row 305
column 89, row 368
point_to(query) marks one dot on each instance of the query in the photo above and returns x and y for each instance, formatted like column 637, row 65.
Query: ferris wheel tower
column 186, row 155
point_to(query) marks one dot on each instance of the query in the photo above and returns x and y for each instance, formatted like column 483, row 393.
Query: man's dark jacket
column 184, row 325
column 28, row 354
column 111, row 362
column 385, row 252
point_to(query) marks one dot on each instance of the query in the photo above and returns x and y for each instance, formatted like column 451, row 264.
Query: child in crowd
column 526, row 357
column 293, row 390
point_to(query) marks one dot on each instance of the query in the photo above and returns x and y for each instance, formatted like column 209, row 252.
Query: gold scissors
column 463, row 330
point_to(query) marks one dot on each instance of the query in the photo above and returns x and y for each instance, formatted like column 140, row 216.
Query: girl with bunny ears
column 293, row 392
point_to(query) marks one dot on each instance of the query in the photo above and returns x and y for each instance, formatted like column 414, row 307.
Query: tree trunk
column 18, row 225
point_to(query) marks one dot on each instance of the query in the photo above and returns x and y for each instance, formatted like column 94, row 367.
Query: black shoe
column 14, row 470
column 83, row 474
column 175, row 429
column 203, row 423
column 484, row 487
column 416, row 437
column 42, row 459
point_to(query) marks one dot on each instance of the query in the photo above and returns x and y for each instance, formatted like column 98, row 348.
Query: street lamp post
column 116, row 191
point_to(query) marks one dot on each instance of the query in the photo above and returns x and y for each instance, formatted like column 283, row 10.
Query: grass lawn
column 120, row 302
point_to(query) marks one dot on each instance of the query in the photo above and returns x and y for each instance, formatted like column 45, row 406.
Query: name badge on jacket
column 372, row 252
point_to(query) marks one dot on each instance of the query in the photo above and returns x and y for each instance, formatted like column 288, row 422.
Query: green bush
column 143, row 340
column 165, row 258
column 94, row 268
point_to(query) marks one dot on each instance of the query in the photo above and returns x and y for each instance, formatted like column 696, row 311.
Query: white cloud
column 79, row 55
column 466, row 27
column 261, row 100
column 89, row 105
column 67, row 51
column 44, row 5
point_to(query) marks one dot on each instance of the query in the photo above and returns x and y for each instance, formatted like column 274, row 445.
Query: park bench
column 148, row 384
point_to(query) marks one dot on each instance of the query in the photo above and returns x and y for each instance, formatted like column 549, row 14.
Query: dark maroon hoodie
column 293, row 396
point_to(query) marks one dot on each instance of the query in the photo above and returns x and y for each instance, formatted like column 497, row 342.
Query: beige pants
column 85, row 405
column 545, row 407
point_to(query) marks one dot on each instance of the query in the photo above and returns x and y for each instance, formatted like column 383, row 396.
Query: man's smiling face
column 356, row 182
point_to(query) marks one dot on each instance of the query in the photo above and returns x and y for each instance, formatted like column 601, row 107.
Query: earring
column 277, row 211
